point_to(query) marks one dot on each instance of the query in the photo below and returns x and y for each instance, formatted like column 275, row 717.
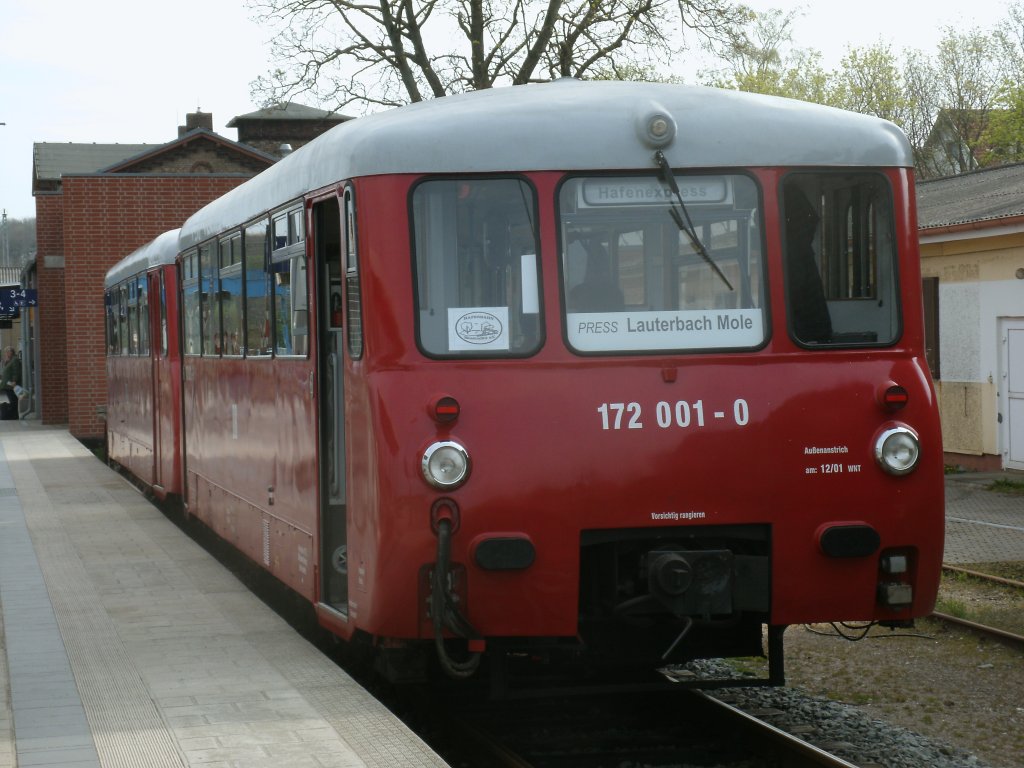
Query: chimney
column 197, row 119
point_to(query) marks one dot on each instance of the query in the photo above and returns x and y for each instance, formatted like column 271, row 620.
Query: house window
column 930, row 292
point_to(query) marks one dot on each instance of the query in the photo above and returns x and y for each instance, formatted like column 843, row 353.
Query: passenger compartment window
column 143, row 315
column 634, row 280
column 291, row 302
column 163, row 317
column 476, row 260
column 840, row 259
column 208, row 301
column 125, row 328
column 113, row 301
column 230, row 294
column 190, row 303
column 133, row 317
column 257, row 291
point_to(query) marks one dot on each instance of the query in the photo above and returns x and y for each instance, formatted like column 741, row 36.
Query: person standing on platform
column 10, row 377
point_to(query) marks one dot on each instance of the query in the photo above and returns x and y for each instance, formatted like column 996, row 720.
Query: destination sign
column 629, row 191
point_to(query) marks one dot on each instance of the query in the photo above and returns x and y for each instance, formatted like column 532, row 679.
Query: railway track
column 984, row 576
column 676, row 729
column 1010, row 638
column 983, row 629
column 793, row 750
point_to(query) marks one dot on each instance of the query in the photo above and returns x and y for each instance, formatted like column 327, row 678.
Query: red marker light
column 446, row 410
column 895, row 397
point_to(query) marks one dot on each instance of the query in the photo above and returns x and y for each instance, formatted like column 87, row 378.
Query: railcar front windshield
column 633, row 281
column 840, row 259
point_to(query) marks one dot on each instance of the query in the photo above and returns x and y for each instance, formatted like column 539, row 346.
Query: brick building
column 971, row 230
column 284, row 127
column 96, row 203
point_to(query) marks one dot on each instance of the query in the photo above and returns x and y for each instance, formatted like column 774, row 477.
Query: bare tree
column 20, row 235
column 753, row 60
column 1010, row 36
column 393, row 52
column 969, row 81
column 920, row 83
column 762, row 60
column 1003, row 138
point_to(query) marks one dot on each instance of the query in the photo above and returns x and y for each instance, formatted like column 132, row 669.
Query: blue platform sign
column 12, row 298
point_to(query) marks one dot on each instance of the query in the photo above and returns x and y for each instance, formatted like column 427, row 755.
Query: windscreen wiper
column 682, row 217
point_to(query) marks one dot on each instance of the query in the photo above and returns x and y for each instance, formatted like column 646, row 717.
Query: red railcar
column 597, row 373
column 144, row 365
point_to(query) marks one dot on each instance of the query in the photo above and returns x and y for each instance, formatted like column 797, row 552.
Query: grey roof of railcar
column 565, row 125
column 160, row 250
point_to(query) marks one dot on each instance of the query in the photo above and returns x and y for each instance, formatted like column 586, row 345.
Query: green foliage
column 645, row 73
column 869, row 81
column 955, row 608
column 961, row 108
column 1014, row 487
column 1002, row 140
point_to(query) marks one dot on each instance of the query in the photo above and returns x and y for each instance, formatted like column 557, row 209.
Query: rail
column 801, row 754
column 1000, row 634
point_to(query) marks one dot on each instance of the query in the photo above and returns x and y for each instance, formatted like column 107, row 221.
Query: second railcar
column 144, row 365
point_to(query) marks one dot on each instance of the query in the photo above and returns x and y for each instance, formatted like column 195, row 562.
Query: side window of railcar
column 143, row 303
column 840, row 259
column 633, row 280
column 210, row 307
column 476, row 267
column 110, row 300
column 190, row 303
column 291, row 304
column 353, row 293
column 163, row 317
column 133, row 317
column 124, row 329
column 257, row 291
column 230, row 294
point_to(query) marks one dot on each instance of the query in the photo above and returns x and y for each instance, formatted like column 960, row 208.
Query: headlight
column 445, row 465
column 898, row 450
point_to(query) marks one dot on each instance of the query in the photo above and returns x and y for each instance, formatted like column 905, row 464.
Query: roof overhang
column 972, row 230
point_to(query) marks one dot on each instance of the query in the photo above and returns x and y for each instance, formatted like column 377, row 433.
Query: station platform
column 124, row 643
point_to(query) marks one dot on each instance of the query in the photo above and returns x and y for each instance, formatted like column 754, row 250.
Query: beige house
column 971, row 230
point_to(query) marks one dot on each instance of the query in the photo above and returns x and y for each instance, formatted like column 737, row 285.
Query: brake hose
column 445, row 614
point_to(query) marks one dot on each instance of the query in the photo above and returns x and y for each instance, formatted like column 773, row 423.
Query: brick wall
column 53, row 400
column 201, row 156
column 106, row 217
column 269, row 135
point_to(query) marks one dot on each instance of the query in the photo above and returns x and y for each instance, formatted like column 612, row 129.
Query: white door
column 1011, row 392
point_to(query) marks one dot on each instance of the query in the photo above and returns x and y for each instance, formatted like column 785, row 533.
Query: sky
column 125, row 71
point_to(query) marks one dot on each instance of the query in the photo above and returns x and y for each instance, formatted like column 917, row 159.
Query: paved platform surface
column 983, row 526
column 123, row 643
